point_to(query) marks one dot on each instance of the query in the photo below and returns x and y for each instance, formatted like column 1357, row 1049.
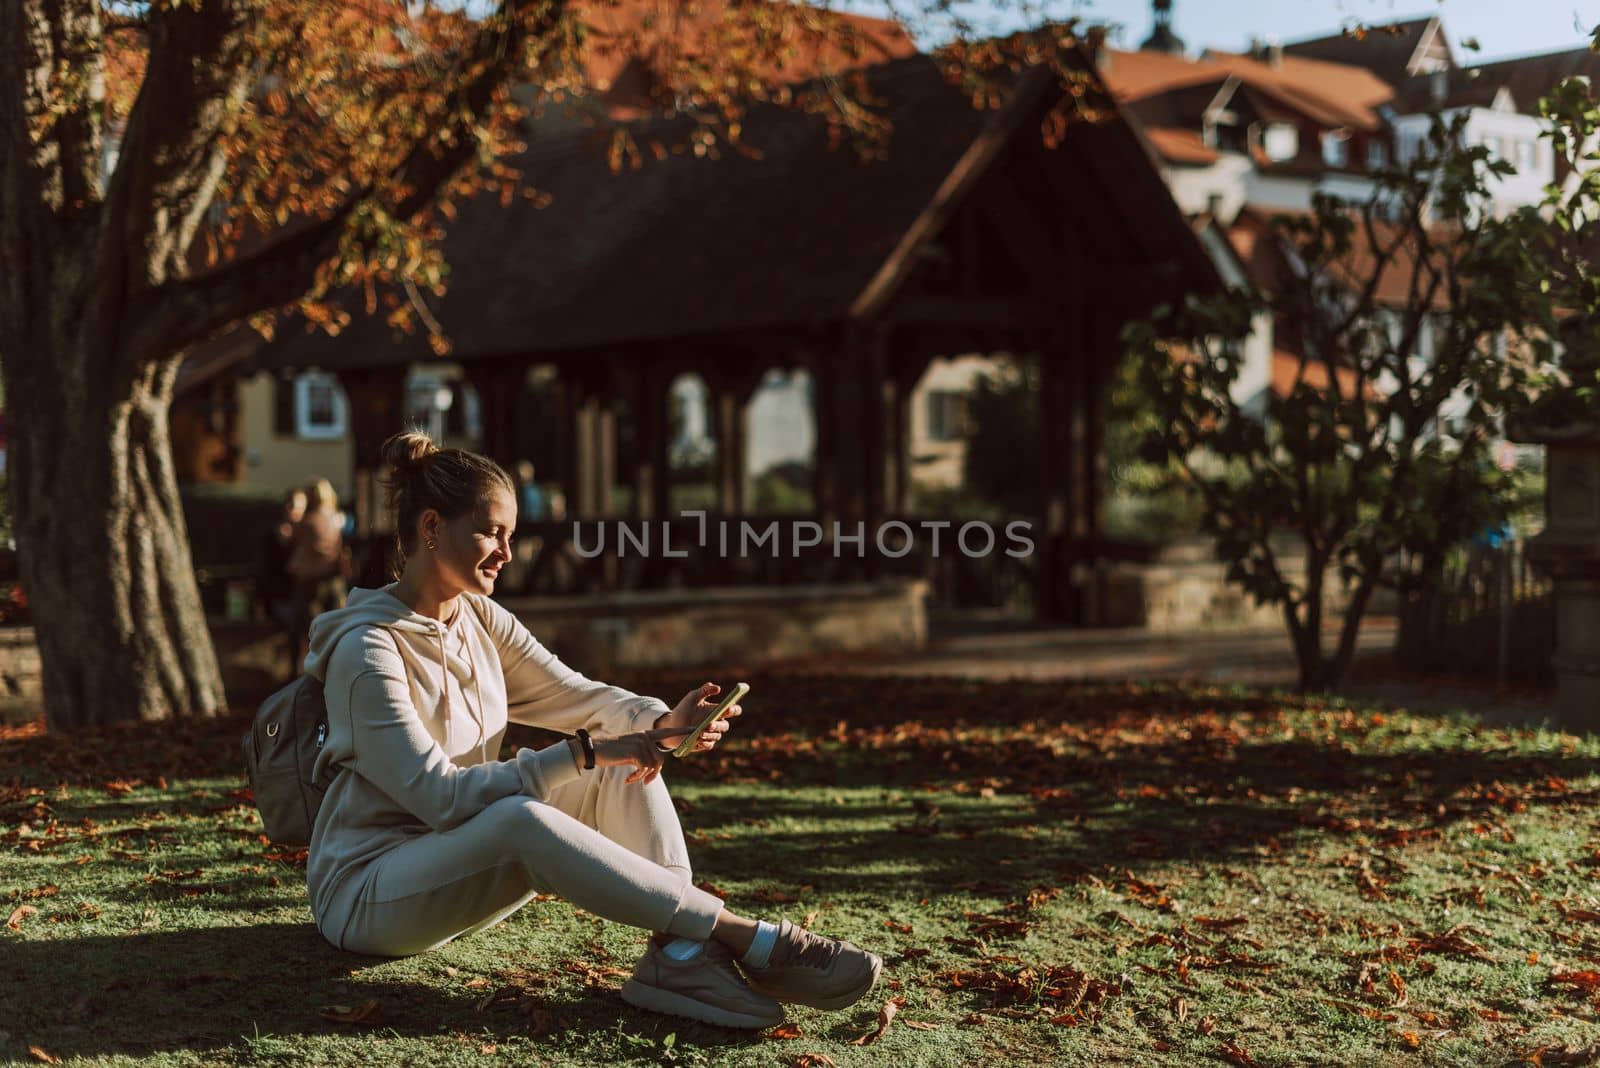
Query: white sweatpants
column 613, row 848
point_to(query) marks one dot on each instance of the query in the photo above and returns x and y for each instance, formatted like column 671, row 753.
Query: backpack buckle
column 272, row 730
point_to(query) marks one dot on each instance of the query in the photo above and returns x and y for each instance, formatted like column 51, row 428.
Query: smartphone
column 686, row 746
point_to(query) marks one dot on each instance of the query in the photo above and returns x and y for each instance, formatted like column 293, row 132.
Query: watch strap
column 587, row 745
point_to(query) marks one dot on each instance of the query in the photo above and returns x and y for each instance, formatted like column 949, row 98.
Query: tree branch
column 184, row 311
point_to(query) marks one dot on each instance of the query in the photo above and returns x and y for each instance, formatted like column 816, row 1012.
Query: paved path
column 978, row 648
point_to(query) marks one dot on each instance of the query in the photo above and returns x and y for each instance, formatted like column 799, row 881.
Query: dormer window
column 1377, row 154
column 1280, row 141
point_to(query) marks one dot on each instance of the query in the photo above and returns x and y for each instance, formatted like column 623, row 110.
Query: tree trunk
column 104, row 552
column 1307, row 631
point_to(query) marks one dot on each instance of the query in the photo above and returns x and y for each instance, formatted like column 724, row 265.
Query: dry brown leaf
column 786, row 1030
column 366, row 1012
column 1398, row 985
column 1411, row 1039
column 1564, row 1055
column 885, row 1017
column 1180, row 1009
column 1235, row 1054
column 812, row 1060
column 21, row 913
column 811, row 918
column 40, row 1055
column 479, row 983
column 1584, row 980
column 920, row 1025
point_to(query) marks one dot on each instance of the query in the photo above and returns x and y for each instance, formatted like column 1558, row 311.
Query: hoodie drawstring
column 444, row 681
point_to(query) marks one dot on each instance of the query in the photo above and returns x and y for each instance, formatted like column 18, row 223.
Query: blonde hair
column 420, row 475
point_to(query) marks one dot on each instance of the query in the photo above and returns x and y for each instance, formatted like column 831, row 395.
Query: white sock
column 760, row 954
column 683, row 948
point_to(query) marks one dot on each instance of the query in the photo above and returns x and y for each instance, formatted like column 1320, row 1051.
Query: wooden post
column 649, row 395
column 375, row 398
column 501, row 386
column 824, row 370
column 876, row 386
column 1057, row 401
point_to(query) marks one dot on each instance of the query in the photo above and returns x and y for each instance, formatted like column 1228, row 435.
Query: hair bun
column 407, row 449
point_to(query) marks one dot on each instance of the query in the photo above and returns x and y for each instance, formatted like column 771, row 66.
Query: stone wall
column 742, row 625
column 1187, row 588
column 598, row 633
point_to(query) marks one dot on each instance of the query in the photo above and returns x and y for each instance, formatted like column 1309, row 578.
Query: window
column 949, row 415
column 1280, row 141
column 1336, row 148
column 429, row 399
column 1377, row 154
column 319, row 407
column 1524, row 156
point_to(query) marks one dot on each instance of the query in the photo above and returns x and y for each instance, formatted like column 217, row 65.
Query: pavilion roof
column 687, row 247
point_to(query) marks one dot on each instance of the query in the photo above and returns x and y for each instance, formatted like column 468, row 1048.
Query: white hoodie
column 416, row 713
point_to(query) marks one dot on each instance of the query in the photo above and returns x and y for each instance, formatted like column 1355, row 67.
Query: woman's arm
column 369, row 702
column 541, row 691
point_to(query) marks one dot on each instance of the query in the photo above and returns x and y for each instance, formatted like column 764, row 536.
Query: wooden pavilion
column 1006, row 230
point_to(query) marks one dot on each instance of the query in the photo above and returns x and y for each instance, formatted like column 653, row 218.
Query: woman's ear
column 428, row 526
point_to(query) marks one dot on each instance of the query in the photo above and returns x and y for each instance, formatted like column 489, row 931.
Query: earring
column 430, row 544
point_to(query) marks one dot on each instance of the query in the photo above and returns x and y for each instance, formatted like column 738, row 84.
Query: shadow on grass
column 211, row 988
column 1052, row 815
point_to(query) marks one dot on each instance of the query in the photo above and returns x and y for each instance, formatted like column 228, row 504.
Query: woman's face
column 473, row 547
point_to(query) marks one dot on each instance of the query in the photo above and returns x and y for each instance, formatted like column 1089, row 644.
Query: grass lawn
column 1054, row 874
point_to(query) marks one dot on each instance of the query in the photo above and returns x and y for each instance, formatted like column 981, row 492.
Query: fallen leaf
column 1585, row 980
column 479, row 983
column 1398, row 985
column 366, row 1012
column 787, row 1030
column 40, row 1055
column 1180, row 1009
column 920, row 1025
column 811, row 917
column 1238, row 1055
column 1410, row 1038
column 885, row 1016
column 22, row 912
column 811, row 1060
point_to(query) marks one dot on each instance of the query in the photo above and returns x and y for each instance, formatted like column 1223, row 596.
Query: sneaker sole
column 655, row 999
column 838, row 1001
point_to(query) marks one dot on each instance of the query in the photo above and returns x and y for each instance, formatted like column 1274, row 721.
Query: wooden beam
column 974, row 313
column 962, row 177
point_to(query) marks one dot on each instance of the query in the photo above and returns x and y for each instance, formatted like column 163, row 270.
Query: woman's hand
column 691, row 710
column 638, row 749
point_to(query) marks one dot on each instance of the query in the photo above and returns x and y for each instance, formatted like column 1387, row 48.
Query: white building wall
column 1278, row 192
column 779, row 427
column 1510, row 135
column 1193, row 188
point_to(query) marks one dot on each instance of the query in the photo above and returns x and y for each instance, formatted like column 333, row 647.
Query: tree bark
column 104, row 552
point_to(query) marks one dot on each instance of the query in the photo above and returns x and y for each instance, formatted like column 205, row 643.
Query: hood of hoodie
column 364, row 607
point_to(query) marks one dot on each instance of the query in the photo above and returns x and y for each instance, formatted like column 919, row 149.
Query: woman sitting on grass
column 425, row 835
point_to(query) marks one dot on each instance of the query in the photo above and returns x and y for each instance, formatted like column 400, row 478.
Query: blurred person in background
column 317, row 566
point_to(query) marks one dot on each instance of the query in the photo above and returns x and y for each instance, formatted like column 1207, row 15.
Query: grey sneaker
column 809, row 969
column 707, row 988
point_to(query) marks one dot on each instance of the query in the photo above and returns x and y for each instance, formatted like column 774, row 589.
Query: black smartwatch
column 587, row 744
